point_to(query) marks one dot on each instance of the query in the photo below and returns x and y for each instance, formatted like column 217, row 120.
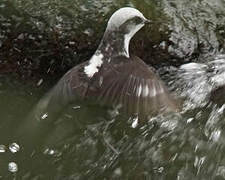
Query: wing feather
column 137, row 95
column 133, row 85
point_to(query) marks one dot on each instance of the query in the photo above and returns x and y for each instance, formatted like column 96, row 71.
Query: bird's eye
column 137, row 20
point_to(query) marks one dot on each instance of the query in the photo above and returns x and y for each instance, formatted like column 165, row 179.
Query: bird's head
column 123, row 24
column 126, row 20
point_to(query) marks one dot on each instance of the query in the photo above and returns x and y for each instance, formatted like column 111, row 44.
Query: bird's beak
column 147, row 21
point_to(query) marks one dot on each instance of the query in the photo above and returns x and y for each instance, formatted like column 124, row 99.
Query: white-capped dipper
column 112, row 77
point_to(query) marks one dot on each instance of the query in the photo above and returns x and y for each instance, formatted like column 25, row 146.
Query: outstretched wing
column 72, row 87
column 39, row 121
column 134, row 87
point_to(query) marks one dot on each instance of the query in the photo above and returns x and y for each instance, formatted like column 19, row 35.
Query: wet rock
column 45, row 39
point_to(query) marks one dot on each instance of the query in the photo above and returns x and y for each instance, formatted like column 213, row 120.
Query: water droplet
column 89, row 32
column 49, row 151
column 160, row 169
column 40, row 82
column 190, row 120
column 31, row 37
column 44, row 116
column 215, row 135
column 52, row 152
column 14, row 147
column 199, row 162
column 2, row 5
column 21, row 36
column 12, row 167
column 71, row 43
column 76, row 107
column 134, row 123
column 2, row 148
column 118, row 171
column 162, row 45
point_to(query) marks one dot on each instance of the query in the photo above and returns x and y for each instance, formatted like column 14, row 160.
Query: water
column 85, row 143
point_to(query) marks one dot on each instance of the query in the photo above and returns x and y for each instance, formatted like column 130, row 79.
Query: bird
column 112, row 77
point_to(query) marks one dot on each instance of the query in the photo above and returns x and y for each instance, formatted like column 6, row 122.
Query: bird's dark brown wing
column 130, row 83
column 72, row 87
column 124, row 82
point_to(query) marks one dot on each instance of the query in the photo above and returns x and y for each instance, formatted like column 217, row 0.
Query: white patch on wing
column 94, row 64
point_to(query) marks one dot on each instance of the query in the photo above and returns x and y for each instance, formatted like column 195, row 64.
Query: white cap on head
column 122, row 15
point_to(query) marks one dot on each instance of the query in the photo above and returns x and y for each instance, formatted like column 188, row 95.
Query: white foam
column 218, row 79
column 94, row 64
column 193, row 66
